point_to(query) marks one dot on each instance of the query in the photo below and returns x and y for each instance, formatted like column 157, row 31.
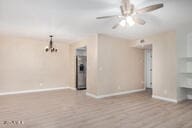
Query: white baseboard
column 91, row 95
column 164, row 99
column 34, row 91
column 113, row 94
column 72, row 88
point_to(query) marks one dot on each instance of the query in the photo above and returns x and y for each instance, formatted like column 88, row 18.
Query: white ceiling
column 72, row 20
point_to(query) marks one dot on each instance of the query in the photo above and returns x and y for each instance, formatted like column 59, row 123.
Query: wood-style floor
column 72, row 109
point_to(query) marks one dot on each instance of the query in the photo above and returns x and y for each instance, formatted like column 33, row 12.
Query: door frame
column 148, row 68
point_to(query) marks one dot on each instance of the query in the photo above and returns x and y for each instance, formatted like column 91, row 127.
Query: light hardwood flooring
column 73, row 109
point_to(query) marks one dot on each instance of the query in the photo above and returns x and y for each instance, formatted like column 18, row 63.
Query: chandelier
column 50, row 47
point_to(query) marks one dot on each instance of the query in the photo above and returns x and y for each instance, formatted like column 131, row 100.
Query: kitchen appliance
column 81, row 71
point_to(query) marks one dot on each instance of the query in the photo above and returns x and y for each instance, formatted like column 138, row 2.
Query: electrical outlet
column 41, row 84
column 165, row 92
column 119, row 87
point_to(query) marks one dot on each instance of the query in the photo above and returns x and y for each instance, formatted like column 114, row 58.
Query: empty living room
column 95, row 64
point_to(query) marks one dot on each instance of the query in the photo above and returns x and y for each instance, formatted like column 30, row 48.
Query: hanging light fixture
column 127, row 21
column 50, row 47
column 142, row 43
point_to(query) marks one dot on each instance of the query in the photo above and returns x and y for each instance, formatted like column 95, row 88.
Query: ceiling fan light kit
column 50, row 47
column 123, row 23
column 129, row 13
column 128, row 21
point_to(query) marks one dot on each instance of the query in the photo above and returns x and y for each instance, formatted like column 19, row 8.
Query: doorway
column 148, row 69
column 81, row 68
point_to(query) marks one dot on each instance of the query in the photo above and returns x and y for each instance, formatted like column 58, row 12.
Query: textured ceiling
column 72, row 20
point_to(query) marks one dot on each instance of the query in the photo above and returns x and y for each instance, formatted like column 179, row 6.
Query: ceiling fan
column 129, row 14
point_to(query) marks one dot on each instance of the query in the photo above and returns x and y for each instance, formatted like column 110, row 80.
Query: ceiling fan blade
column 122, row 11
column 149, row 8
column 139, row 21
column 115, row 26
column 125, row 4
column 105, row 17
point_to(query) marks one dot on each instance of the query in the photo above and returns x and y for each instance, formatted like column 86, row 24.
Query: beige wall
column 24, row 65
column 120, row 66
column 164, row 64
column 92, row 64
column 112, row 65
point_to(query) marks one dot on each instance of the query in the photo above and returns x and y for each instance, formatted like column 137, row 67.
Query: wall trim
column 34, row 91
column 91, row 95
column 72, row 88
column 113, row 94
column 165, row 99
